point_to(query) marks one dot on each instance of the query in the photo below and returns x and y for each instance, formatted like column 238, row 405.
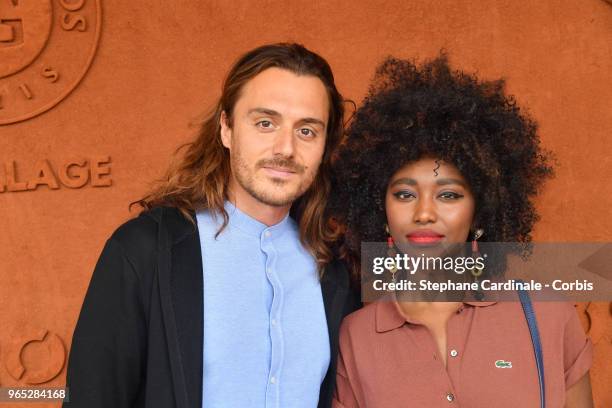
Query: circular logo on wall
column 46, row 47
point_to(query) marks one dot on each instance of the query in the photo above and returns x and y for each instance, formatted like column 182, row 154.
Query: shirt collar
column 253, row 227
column 479, row 304
column 389, row 317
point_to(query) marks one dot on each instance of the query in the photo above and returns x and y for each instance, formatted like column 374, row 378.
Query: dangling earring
column 476, row 272
column 391, row 252
column 477, row 234
column 390, row 242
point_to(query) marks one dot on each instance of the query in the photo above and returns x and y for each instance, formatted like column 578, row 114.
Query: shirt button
column 454, row 353
column 273, row 322
column 267, row 234
column 273, row 380
column 449, row 397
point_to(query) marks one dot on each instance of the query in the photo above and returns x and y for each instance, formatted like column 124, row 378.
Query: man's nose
column 284, row 143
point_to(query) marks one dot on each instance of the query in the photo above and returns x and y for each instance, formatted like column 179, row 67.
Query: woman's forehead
column 428, row 168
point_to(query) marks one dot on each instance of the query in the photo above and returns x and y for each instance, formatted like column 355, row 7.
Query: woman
column 435, row 157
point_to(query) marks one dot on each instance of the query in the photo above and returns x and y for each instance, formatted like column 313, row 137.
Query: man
column 212, row 296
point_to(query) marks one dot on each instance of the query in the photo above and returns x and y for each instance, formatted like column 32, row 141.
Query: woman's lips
column 424, row 237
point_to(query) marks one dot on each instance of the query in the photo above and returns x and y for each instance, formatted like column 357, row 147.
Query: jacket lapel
column 335, row 290
column 181, row 287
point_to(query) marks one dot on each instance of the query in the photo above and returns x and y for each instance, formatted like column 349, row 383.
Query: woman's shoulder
column 366, row 313
column 555, row 309
column 553, row 318
column 361, row 320
column 557, row 316
column 544, row 310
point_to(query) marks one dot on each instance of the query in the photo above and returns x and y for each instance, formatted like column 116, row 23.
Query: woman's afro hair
column 411, row 112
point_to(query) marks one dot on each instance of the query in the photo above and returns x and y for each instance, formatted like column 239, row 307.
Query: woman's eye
column 450, row 195
column 403, row 195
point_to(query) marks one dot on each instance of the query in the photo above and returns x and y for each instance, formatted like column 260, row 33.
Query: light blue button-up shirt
column 265, row 333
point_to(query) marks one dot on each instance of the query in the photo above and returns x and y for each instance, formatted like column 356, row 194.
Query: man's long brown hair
column 199, row 178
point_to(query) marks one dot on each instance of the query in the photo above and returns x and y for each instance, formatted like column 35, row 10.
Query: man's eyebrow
column 265, row 111
column 272, row 112
column 405, row 180
column 313, row 121
column 446, row 181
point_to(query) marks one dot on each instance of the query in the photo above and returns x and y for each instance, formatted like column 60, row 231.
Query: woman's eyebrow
column 446, row 181
column 405, row 180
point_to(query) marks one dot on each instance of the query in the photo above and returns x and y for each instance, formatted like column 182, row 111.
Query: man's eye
column 449, row 195
column 307, row 132
column 264, row 124
column 403, row 195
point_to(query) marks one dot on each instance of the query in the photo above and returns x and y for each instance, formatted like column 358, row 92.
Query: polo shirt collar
column 389, row 317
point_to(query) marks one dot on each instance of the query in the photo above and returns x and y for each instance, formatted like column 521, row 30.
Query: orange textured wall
column 95, row 95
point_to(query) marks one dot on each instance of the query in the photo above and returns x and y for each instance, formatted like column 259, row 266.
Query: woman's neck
column 428, row 311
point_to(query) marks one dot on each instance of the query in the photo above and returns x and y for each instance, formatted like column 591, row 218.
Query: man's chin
column 276, row 201
column 276, row 198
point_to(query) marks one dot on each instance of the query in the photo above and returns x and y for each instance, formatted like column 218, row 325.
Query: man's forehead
column 286, row 94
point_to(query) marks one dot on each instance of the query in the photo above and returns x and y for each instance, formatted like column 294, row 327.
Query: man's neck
column 266, row 214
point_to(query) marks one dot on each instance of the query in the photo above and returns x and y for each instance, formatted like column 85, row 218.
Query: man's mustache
column 282, row 162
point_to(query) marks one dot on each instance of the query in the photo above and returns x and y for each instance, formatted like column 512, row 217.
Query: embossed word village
column 73, row 173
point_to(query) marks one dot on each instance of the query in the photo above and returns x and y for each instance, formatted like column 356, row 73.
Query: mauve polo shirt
column 387, row 361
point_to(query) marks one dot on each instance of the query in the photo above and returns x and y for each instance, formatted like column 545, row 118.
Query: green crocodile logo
column 503, row 364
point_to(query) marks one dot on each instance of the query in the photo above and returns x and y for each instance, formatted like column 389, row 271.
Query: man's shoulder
column 336, row 272
column 140, row 234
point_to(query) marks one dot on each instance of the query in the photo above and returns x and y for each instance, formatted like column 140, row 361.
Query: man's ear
column 226, row 130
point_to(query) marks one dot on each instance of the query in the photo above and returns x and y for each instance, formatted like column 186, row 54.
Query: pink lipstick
column 424, row 237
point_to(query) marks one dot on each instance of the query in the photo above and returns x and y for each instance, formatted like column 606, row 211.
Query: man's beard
column 245, row 176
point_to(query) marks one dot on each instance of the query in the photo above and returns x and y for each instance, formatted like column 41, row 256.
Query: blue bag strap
column 535, row 340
